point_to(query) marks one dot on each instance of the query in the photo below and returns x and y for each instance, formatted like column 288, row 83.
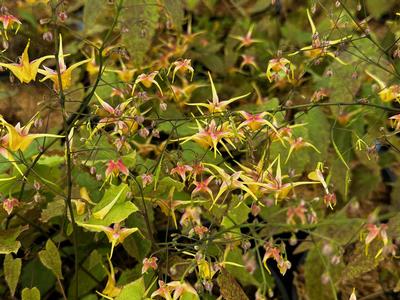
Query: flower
column 319, row 48
column 395, row 121
column 280, row 67
column 147, row 80
column 147, row 179
column 255, row 121
column 149, row 263
column 298, row 143
column 178, row 288
column 202, row 187
column 217, row 106
column 116, row 234
column 25, row 70
column 66, row 73
column 373, row 232
column 182, row 66
column 19, row 138
column 275, row 253
column 317, row 175
column 248, row 60
column 125, row 74
column 181, row 170
column 9, row 204
column 114, row 167
column 213, row 135
column 9, row 20
column 247, row 40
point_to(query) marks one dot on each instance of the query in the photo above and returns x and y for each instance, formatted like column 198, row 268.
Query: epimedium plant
column 191, row 159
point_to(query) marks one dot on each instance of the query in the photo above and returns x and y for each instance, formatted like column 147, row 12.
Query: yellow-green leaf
column 50, row 258
column 30, row 294
column 12, row 270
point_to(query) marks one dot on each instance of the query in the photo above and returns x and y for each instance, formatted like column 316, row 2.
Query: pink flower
column 9, row 204
column 147, row 179
column 181, row 170
column 149, row 263
column 202, row 186
column 114, row 167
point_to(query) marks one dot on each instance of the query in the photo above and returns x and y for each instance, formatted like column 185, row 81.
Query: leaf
column 113, row 195
column 12, row 270
column 140, row 17
column 359, row 263
column 133, row 291
column 87, row 282
column 175, row 12
column 54, row 209
column 50, row 258
column 8, row 243
column 97, row 16
column 229, row 288
column 30, row 294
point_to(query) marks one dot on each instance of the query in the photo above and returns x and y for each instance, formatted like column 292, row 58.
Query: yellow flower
column 217, row 106
column 18, row 138
column 280, row 67
column 26, row 71
column 319, row 48
column 147, row 80
column 66, row 73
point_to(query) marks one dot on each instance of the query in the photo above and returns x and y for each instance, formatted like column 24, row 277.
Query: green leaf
column 8, row 243
column 12, row 270
column 30, row 294
column 175, row 12
column 97, row 16
column 133, row 291
column 50, row 258
column 113, row 195
column 54, row 209
column 140, row 17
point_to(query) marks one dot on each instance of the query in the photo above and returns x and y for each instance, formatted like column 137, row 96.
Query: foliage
column 164, row 149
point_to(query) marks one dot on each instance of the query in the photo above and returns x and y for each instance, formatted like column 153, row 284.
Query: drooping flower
column 65, row 73
column 373, row 232
column 298, row 143
column 149, row 263
column 25, row 70
column 147, row 80
column 182, row 66
column 279, row 68
column 275, row 253
column 395, row 121
column 9, row 204
column 115, row 167
column 9, row 21
column 181, row 170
